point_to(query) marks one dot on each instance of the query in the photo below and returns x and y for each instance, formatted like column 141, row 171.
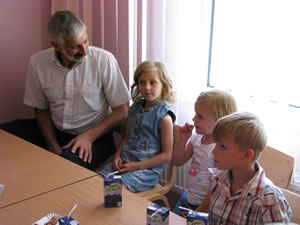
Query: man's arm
column 117, row 118
column 47, row 128
column 84, row 141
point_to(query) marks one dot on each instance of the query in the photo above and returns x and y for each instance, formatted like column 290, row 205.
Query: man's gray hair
column 65, row 24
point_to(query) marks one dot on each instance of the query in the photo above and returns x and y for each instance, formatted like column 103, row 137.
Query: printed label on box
column 112, row 191
column 197, row 218
column 157, row 215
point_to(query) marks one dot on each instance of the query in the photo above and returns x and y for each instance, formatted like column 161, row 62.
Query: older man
column 77, row 92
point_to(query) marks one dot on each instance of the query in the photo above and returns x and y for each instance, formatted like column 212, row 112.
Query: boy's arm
column 204, row 206
column 166, row 126
column 277, row 212
column 183, row 152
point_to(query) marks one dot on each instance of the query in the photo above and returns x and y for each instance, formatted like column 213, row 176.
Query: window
column 256, row 48
column 255, row 53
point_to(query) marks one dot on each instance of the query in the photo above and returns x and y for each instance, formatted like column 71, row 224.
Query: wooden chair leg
column 159, row 197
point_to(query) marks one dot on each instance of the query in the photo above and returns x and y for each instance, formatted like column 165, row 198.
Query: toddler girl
column 209, row 107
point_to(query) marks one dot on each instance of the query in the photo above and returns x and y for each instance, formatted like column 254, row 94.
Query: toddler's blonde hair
column 220, row 102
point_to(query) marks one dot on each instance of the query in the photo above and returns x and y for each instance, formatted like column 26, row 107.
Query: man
column 78, row 94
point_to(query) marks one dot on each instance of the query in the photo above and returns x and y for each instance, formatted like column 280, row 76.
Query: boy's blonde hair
column 220, row 102
column 149, row 66
column 246, row 130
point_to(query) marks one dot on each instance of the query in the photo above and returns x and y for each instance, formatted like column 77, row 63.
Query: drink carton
column 197, row 218
column 67, row 221
column 157, row 215
column 112, row 191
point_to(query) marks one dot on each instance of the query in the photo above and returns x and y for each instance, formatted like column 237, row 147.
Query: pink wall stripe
column 87, row 18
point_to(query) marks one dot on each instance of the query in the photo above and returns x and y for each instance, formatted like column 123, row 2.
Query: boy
column 241, row 194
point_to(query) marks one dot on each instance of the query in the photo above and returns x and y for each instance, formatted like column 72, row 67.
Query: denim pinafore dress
column 144, row 142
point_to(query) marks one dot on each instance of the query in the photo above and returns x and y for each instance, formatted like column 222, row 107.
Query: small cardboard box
column 67, row 221
column 157, row 215
column 53, row 218
column 197, row 218
column 112, row 191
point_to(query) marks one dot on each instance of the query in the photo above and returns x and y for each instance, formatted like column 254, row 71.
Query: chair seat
column 156, row 189
column 156, row 193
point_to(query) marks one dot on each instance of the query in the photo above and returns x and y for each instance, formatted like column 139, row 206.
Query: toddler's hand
column 185, row 131
column 184, row 214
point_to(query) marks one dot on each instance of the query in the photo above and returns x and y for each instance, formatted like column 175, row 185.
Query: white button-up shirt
column 78, row 98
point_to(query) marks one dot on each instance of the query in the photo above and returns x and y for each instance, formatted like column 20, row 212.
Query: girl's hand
column 128, row 167
column 185, row 131
column 117, row 163
column 184, row 214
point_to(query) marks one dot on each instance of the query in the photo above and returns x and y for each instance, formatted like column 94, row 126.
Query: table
column 89, row 196
column 27, row 170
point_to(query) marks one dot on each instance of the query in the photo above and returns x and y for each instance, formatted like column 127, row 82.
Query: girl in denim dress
column 148, row 140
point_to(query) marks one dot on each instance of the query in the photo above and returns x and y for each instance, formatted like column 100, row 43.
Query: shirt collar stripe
column 259, row 182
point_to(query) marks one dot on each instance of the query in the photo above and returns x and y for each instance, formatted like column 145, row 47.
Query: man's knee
column 102, row 149
column 74, row 157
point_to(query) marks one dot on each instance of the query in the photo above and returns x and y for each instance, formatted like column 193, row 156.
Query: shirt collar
column 58, row 63
column 55, row 59
column 255, row 187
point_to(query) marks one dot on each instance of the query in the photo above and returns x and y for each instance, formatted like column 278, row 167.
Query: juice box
column 197, row 218
column 157, row 215
column 112, row 191
column 67, row 221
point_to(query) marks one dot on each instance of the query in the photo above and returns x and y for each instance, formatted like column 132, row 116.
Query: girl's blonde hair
column 150, row 66
column 246, row 130
column 220, row 102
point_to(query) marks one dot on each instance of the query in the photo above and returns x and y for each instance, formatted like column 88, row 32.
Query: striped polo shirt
column 257, row 202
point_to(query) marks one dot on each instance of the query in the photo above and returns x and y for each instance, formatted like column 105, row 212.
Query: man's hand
column 83, row 142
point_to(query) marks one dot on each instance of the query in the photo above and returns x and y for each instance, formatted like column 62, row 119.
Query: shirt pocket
column 91, row 95
column 54, row 93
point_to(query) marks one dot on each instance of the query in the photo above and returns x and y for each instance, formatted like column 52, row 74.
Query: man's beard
column 75, row 58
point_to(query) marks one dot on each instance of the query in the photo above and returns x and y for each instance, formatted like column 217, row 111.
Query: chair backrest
column 170, row 180
column 294, row 201
column 278, row 166
column 172, row 169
